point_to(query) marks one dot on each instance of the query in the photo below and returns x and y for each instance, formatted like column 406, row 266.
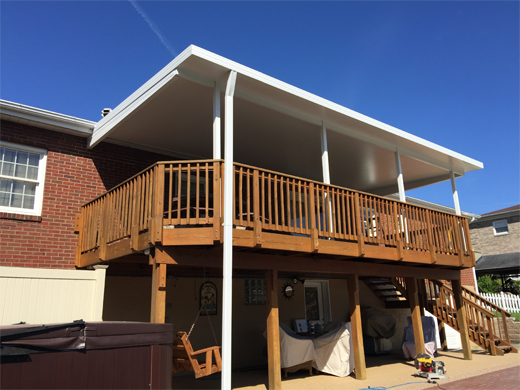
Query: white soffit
column 206, row 68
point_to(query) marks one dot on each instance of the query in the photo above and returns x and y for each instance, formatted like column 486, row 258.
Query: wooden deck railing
column 189, row 194
column 482, row 329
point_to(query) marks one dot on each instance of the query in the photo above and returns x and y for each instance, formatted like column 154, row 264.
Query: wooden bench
column 184, row 358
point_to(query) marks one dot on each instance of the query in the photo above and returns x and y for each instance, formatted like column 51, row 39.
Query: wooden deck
column 180, row 204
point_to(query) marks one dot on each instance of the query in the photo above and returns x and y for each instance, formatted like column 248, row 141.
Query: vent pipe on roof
column 105, row 112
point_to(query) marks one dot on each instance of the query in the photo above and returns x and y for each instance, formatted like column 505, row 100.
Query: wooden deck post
column 273, row 330
column 357, row 334
column 413, row 297
column 461, row 319
column 158, row 304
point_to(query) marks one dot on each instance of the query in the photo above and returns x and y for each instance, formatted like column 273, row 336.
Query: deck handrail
column 188, row 193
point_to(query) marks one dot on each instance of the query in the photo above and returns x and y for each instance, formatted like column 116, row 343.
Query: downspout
column 227, row 282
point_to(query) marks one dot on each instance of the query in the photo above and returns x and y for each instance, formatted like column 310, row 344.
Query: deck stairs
column 483, row 326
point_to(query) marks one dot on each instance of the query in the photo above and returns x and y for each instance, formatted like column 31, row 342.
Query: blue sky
column 446, row 71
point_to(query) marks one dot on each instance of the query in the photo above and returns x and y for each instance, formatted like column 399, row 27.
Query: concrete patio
column 382, row 371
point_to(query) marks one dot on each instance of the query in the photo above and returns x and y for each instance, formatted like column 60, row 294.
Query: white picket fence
column 509, row 302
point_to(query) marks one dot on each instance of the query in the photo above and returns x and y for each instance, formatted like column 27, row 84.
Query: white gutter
column 20, row 113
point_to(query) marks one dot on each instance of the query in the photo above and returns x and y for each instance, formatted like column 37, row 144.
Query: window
column 22, row 174
column 254, row 290
column 500, row 227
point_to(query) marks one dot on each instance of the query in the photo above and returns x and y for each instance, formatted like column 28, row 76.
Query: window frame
column 500, row 222
column 40, row 181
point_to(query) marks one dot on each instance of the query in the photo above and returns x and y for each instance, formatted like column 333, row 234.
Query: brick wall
column 74, row 176
column 467, row 279
column 484, row 240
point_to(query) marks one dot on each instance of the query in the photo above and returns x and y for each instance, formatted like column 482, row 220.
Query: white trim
column 227, row 272
column 33, row 116
column 42, row 167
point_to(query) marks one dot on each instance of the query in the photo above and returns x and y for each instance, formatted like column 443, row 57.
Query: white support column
column 227, row 281
column 216, row 123
column 326, row 171
column 400, row 181
column 455, row 193
column 325, row 155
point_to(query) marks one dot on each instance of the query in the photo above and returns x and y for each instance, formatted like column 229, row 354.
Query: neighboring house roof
column 503, row 213
column 20, row 113
column 505, row 263
column 173, row 113
column 506, row 210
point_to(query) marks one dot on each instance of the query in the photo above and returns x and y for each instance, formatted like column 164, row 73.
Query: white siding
column 42, row 296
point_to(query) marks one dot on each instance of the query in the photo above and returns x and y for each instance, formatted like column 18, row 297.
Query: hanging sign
column 208, row 299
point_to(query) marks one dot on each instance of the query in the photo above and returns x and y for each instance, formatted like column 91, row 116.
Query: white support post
column 455, row 193
column 227, row 281
column 216, row 123
column 325, row 155
column 326, row 171
column 400, row 181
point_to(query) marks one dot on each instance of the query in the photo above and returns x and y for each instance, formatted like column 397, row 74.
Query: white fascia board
column 104, row 126
column 132, row 102
column 21, row 113
column 207, row 55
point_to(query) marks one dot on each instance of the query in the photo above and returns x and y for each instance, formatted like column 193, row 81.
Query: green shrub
column 489, row 285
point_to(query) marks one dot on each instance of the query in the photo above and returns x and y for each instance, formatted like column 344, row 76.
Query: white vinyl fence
column 509, row 302
column 42, row 296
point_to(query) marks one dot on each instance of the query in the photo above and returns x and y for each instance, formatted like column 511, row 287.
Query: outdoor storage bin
column 86, row 355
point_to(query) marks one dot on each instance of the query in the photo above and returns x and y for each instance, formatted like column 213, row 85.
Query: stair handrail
column 504, row 313
column 466, row 300
column 487, row 302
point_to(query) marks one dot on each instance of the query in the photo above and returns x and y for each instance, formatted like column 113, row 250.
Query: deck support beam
column 227, row 282
column 158, row 304
column 273, row 330
column 413, row 297
column 461, row 319
column 357, row 334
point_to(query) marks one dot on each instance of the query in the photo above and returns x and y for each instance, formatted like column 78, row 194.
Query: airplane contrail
column 154, row 27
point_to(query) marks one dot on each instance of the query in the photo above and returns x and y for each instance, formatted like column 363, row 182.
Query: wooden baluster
column 315, row 244
column 306, row 195
column 277, row 226
column 206, row 194
column 359, row 231
column 135, row 214
column 282, row 203
column 397, row 233
column 256, row 210
column 197, row 193
column 217, row 185
column 300, row 206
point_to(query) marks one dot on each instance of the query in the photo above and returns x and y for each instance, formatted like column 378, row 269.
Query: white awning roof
column 276, row 126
